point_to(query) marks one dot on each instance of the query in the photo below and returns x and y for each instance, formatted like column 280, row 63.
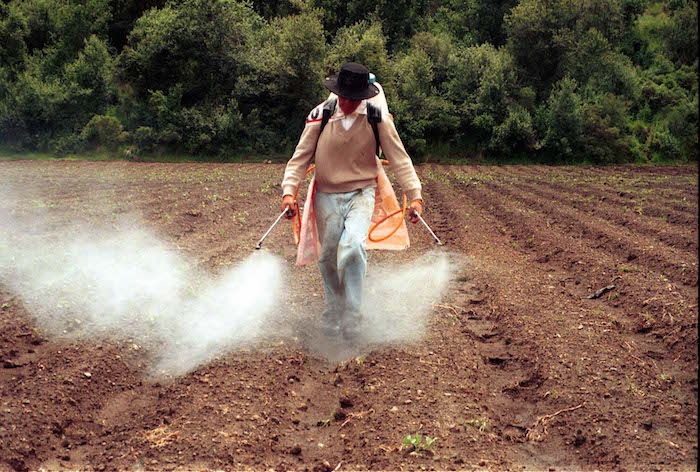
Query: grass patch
column 8, row 153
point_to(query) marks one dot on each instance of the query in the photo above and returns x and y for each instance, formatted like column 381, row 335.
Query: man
column 345, row 180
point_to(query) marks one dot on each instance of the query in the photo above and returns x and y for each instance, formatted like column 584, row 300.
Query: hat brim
column 331, row 84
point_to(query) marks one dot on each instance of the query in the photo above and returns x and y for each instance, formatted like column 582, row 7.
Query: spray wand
column 259, row 245
column 437, row 240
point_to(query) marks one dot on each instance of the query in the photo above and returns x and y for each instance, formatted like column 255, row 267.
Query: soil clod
column 346, row 402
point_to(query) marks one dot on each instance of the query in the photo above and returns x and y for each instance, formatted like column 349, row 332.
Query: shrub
column 682, row 36
column 362, row 42
column 662, row 145
column 516, row 134
column 69, row 144
column 605, row 137
column 102, row 131
column 419, row 111
column 482, row 82
column 563, row 120
column 145, row 139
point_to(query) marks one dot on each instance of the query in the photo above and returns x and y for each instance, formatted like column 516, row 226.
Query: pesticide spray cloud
column 398, row 301
column 124, row 283
column 129, row 285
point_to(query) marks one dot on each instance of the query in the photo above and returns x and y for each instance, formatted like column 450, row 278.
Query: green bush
column 563, row 122
column 362, row 42
column 14, row 29
column 662, row 145
column 299, row 48
column 516, row 134
column 419, row 110
column 592, row 61
column 682, row 35
column 145, row 139
column 68, row 144
column 482, row 82
column 471, row 21
column 438, row 47
column 402, row 18
column 102, row 131
column 606, row 139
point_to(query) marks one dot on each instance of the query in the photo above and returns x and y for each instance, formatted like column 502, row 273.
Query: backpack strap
column 328, row 110
column 374, row 116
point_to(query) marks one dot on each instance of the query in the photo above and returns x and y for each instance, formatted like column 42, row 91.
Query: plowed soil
column 519, row 369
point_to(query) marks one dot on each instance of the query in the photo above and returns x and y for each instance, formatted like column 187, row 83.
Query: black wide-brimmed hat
column 351, row 82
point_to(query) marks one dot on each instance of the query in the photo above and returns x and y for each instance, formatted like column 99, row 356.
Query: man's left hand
column 414, row 210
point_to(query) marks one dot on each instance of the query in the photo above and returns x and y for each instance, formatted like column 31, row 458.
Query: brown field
column 519, row 369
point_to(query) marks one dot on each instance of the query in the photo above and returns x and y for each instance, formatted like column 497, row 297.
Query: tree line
column 600, row 81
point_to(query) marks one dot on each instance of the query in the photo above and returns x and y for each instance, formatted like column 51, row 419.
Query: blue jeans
column 343, row 221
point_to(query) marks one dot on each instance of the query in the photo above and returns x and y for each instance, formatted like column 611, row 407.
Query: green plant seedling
column 417, row 443
column 326, row 422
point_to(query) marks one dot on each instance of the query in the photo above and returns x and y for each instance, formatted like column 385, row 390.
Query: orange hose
column 401, row 210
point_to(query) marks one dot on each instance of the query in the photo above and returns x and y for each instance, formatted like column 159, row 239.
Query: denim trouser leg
column 343, row 221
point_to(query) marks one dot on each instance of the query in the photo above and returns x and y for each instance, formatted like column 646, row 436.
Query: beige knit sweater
column 345, row 159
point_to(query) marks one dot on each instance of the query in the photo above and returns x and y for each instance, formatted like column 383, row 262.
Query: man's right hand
column 288, row 201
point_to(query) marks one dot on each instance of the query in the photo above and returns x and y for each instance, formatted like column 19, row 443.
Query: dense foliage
column 601, row 81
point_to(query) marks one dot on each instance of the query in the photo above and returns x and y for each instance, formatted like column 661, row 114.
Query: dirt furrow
column 683, row 200
column 666, row 208
column 614, row 240
column 606, row 346
column 676, row 237
column 680, row 180
column 595, row 266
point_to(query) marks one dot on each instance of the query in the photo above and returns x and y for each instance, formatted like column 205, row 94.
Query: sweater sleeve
column 399, row 160
column 303, row 154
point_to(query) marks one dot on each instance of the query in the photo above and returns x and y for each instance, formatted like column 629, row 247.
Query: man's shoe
column 352, row 326
column 330, row 322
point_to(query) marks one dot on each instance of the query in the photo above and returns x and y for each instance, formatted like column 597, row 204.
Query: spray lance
column 437, row 240
column 286, row 210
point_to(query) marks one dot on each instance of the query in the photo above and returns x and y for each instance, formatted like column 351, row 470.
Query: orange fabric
column 385, row 203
